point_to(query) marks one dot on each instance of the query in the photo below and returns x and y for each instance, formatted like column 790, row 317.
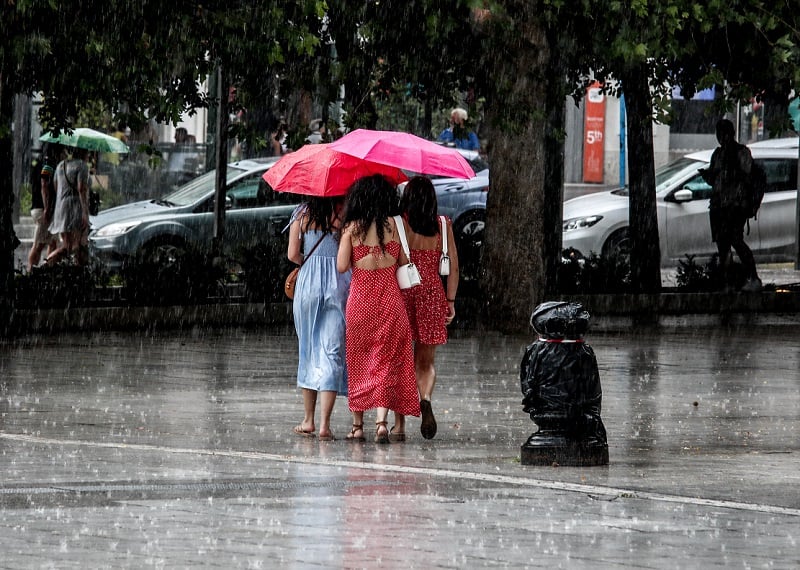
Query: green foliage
column 148, row 58
column 181, row 276
column 62, row 285
column 593, row 275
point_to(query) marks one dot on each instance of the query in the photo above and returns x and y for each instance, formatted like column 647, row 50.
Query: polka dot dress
column 426, row 304
column 379, row 351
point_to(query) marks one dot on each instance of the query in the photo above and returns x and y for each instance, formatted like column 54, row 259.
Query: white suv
column 598, row 222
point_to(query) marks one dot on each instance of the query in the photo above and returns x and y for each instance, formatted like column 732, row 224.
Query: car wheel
column 165, row 253
column 157, row 273
column 468, row 234
column 618, row 244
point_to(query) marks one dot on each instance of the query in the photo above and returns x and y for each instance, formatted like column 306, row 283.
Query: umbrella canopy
column 89, row 139
column 317, row 170
column 405, row 151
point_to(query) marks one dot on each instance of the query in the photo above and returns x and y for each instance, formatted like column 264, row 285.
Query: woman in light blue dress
column 319, row 304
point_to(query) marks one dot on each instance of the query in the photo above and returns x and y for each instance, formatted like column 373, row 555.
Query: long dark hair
column 321, row 211
column 420, row 207
column 370, row 199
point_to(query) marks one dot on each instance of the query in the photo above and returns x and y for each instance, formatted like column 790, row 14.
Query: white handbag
column 444, row 260
column 408, row 274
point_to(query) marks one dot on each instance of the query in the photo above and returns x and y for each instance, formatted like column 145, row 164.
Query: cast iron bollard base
column 552, row 449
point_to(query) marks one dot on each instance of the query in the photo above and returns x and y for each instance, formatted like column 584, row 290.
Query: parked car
column 598, row 223
column 155, row 229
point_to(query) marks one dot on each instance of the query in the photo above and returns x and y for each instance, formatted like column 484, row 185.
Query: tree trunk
column 513, row 262
column 8, row 239
column 645, row 257
column 221, row 161
column 553, row 208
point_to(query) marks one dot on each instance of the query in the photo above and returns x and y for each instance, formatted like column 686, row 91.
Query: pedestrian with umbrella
column 321, row 292
column 380, row 358
column 71, row 214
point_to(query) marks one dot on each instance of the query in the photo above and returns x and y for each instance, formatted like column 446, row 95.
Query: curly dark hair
column 320, row 211
column 420, row 206
column 370, row 199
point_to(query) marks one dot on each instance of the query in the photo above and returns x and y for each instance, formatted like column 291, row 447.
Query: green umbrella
column 89, row 139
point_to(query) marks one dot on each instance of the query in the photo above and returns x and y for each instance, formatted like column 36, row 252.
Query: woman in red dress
column 378, row 347
column 429, row 308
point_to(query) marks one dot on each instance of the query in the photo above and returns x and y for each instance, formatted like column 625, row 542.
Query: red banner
column 593, row 128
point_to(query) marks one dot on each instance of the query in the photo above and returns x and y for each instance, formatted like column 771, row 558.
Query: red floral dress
column 379, row 351
column 426, row 304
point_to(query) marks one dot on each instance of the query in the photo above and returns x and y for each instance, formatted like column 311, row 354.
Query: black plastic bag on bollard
column 561, row 390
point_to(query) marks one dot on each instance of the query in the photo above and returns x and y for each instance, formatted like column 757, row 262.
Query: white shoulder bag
column 444, row 260
column 408, row 274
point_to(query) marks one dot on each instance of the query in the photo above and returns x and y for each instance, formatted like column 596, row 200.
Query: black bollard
column 561, row 390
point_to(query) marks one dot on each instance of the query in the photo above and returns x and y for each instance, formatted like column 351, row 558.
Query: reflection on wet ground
column 176, row 450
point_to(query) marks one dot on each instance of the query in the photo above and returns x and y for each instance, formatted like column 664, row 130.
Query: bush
column 697, row 278
column 595, row 274
column 171, row 275
column 58, row 286
column 265, row 268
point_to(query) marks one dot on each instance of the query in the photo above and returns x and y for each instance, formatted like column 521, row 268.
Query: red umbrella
column 317, row 170
column 405, row 151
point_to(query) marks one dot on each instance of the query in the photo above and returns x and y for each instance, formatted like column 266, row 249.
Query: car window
column 666, row 175
column 478, row 164
column 701, row 190
column 781, row 174
column 195, row 189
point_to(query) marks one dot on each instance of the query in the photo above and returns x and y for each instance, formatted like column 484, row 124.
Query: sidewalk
column 175, row 450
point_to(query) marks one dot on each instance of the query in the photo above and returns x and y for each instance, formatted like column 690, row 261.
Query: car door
column 687, row 230
column 776, row 219
column 256, row 215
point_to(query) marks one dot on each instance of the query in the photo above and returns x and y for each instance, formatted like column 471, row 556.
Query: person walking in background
column 728, row 175
column 319, row 312
column 43, row 200
column 380, row 359
column 71, row 214
column 458, row 134
column 430, row 309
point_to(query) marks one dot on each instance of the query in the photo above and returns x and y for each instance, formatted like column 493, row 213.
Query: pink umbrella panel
column 318, row 170
column 406, row 151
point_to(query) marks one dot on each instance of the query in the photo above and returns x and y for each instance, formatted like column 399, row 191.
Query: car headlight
column 116, row 229
column 578, row 223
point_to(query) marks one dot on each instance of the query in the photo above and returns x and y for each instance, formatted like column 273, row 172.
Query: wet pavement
column 126, row 450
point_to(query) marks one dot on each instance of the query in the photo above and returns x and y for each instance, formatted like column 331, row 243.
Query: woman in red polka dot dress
column 378, row 346
column 430, row 308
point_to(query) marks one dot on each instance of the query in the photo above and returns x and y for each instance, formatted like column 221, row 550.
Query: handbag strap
column 319, row 241
column 401, row 233
column 444, row 236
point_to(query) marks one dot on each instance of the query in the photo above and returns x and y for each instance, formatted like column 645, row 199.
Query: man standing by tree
column 729, row 177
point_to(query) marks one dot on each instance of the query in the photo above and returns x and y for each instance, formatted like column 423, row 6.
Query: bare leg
column 424, row 355
column 381, row 431
column 327, row 400
column 64, row 249
column 35, row 255
column 357, row 432
column 309, row 405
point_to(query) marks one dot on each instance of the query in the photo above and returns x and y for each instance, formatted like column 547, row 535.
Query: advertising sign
column 593, row 129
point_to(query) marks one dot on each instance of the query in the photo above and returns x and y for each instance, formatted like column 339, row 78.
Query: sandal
column 352, row 435
column 396, row 437
column 381, row 437
column 328, row 437
column 298, row 429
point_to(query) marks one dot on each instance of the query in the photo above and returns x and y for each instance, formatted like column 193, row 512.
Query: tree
column 141, row 60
